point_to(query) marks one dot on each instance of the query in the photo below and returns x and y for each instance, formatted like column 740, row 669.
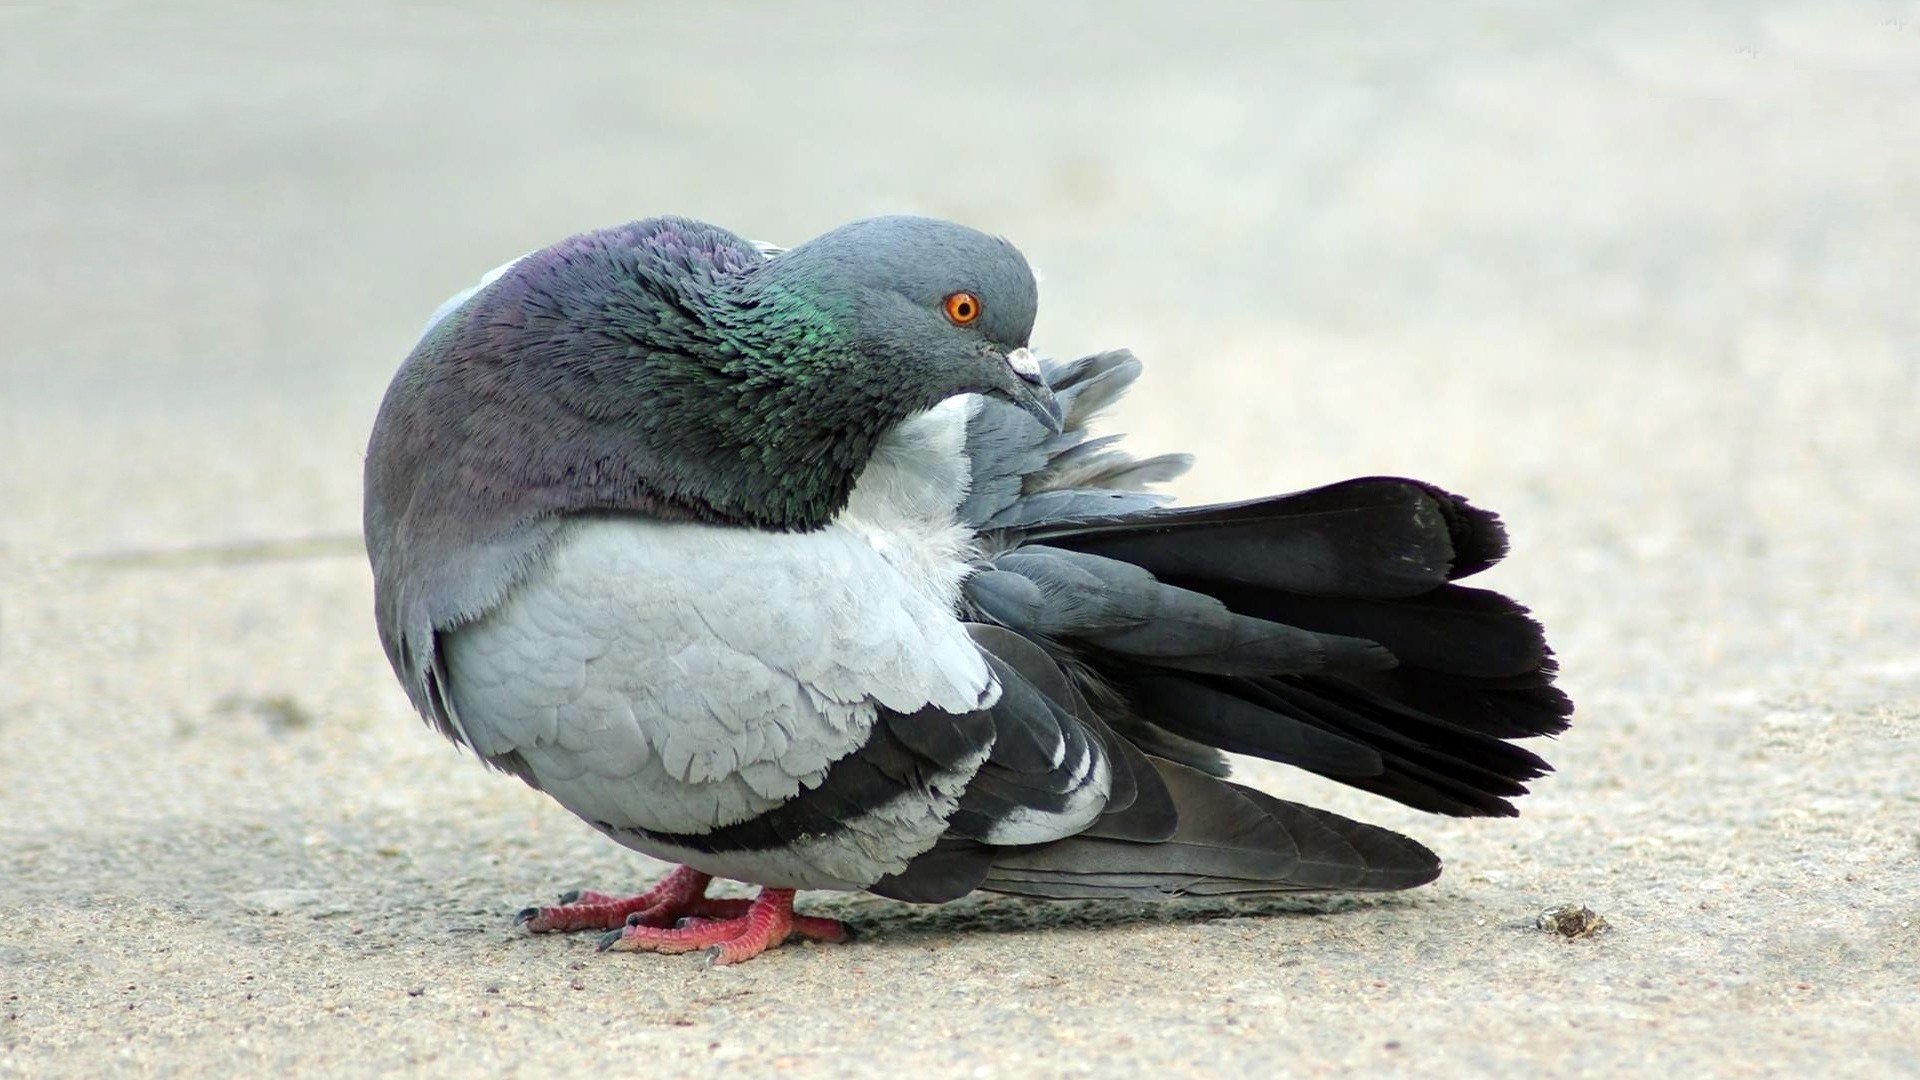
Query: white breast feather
column 903, row 504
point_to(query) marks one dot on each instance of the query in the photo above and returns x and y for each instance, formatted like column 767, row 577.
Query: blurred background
column 1640, row 276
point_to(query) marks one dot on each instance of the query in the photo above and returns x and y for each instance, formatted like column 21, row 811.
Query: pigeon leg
column 764, row 923
column 680, row 894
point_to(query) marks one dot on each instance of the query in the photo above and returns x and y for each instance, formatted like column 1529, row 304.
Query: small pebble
column 1571, row 921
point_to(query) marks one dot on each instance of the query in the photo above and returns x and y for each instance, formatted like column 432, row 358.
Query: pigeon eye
column 962, row 308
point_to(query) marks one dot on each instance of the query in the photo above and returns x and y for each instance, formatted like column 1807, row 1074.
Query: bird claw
column 676, row 916
column 729, row 931
column 585, row 909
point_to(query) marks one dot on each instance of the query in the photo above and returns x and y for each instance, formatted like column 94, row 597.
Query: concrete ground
column 1641, row 276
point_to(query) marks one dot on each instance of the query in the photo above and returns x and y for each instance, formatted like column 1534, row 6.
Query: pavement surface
column 1640, row 276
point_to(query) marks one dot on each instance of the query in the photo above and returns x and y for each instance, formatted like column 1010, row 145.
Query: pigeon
column 801, row 568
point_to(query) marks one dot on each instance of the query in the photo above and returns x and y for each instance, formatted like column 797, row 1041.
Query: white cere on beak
column 1024, row 364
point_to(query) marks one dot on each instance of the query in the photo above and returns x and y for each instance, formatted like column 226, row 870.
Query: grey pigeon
column 800, row 568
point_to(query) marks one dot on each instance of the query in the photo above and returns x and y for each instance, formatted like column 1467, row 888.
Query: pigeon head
column 925, row 303
column 669, row 367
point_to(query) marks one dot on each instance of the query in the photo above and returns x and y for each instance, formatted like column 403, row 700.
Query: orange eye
column 963, row 308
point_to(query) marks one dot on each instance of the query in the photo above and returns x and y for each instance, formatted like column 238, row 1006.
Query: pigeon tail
column 1322, row 629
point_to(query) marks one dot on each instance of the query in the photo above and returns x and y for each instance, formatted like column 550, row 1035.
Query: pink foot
column 751, row 929
column 680, row 894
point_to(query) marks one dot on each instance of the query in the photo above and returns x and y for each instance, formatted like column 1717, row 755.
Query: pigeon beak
column 1031, row 393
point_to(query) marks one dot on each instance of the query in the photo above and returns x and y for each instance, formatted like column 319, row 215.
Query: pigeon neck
column 793, row 410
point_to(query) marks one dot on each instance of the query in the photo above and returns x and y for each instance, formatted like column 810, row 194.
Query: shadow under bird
column 800, row 568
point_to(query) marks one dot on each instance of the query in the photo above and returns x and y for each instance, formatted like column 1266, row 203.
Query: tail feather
column 1452, row 628
column 1517, row 708
column 1231, row 841
column 1426, row 764
column 1337, row 731
column 1372, row 537
column 1408, row 686
column 1208, row 711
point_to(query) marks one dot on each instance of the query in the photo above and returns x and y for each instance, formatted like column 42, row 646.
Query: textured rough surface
column 1640, row 279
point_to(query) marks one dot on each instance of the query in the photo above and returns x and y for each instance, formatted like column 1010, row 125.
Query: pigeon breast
column 674, row 678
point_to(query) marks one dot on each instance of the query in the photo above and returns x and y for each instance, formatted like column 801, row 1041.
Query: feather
column 1362, row 538
column 1122, row 608
column 1049, row 774
column 1230, row 841
column 1194, row 709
